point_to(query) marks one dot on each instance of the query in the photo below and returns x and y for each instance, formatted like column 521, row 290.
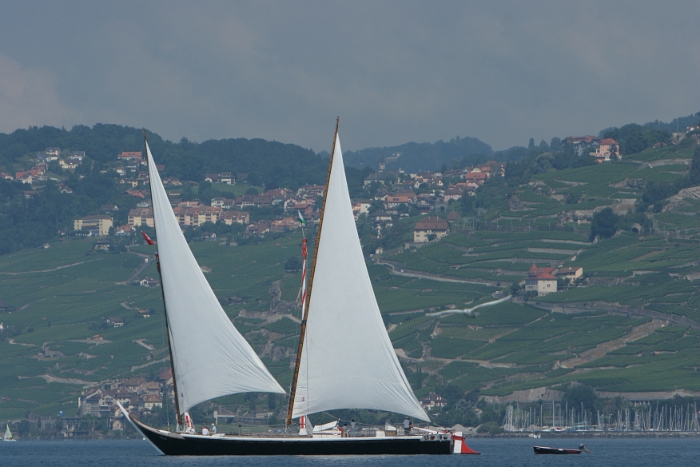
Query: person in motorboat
column 205, row 432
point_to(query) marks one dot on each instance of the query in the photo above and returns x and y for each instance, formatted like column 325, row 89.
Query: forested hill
column 677, row 124
column 32, row 214
column 414, row 157
column 270, row 163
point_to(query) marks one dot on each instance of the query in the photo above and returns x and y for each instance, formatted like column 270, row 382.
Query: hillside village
column 393, row 195
column 397, row 195
column 384, row 196
column 452, row 249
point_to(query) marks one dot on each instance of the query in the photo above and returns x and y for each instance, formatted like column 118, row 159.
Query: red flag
column 147, row 238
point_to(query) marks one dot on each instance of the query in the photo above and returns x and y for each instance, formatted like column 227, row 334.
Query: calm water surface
column 495, row 453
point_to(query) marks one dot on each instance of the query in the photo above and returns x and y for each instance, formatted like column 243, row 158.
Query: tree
column 376, row 205
column 205, row 192
column 391, row 178
column 635, row 143
column 655, row 193
column 187, row 193
column 55, row 167
column 293, row 264
column 694, row 175
column 555, row 144
column 604, row 224
column 572, row 198
column 579, row 395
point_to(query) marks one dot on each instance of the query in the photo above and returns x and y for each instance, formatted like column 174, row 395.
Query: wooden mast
column 302, row 333
column 162, row 293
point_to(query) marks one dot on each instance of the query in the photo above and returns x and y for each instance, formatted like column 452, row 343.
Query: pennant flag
column 301, row 219
column 147, row 238
column 304, row 255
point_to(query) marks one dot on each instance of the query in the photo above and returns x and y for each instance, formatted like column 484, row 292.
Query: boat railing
column 360, row 432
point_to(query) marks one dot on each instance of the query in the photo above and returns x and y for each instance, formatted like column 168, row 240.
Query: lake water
column 495, row 453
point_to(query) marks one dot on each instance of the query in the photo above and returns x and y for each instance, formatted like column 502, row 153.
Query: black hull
column 548, row 450
column 174, row 444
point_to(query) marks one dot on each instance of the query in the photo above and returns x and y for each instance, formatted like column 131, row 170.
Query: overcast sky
column 394, row 71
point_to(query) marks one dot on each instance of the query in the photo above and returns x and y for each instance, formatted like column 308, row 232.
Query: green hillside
column 631, row 324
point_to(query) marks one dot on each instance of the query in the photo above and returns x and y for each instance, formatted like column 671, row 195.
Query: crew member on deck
column 407, row 426
column 205, row 432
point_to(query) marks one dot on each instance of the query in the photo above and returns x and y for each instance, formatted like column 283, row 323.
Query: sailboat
column 345, row 358
column 8, row 434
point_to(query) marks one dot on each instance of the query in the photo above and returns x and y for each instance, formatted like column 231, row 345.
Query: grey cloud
column 394, row 71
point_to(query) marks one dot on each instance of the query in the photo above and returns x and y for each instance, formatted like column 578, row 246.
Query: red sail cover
column 147, row 238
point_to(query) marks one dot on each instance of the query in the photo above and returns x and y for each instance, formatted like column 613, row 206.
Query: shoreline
column 594, row 434
column 511, row 435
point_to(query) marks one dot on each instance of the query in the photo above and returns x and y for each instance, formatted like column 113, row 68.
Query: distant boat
column 8, row 434
column 548, row 450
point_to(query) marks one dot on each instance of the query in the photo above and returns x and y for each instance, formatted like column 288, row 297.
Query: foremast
column 305, row 303
column 165, row 307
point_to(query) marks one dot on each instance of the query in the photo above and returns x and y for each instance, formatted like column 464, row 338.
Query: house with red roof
column 476, row 176
column 541, row 280
column 395, row 200
column 608, row 148
column 429, row 228
column 452, row 194
column 581, row 143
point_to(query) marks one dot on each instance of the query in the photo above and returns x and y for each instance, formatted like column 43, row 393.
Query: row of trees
column 635, row 138
column 268, row 163
column 31, row 222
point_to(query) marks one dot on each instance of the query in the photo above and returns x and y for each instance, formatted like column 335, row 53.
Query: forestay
column 210, row 357
column 347, row 359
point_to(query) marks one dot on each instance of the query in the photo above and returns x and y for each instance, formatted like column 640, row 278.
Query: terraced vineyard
column 632, row 323
column 629, row 280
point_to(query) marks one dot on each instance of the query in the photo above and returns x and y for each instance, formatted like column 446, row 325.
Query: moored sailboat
column 340, row 310
column 8, row 434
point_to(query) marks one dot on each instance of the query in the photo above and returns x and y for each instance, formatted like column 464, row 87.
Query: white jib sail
column 347, row 360
column 210, row 356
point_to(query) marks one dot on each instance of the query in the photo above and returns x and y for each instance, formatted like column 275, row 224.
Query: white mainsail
column 210, row 357
column 347, row 359
column 8, row 433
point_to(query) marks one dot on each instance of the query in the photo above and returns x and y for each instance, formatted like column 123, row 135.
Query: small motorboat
column 548, row 450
